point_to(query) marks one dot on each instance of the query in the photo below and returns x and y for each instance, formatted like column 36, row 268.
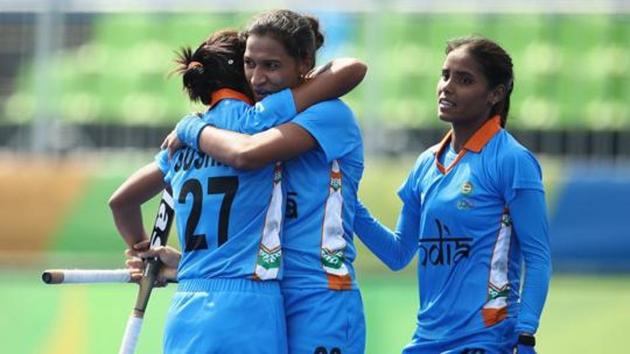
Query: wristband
column 525, row 349
column 188, row 130
column 526, row 339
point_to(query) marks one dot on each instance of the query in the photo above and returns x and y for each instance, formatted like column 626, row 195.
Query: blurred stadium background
column 85, row 99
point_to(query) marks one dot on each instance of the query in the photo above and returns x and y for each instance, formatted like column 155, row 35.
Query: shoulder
column 507, row 149
column 424, row 161
column 229, row 104
column 514, row 162
column 226, row 114
column 335, row 106
column 328, row 116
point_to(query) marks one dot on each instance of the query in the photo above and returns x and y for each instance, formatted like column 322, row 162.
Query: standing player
column 473, row 209
column 228, row 220
column 323, row 150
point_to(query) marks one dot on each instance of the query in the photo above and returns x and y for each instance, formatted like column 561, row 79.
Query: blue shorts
column 497, row 339
column 226, row 316
column 323, row 321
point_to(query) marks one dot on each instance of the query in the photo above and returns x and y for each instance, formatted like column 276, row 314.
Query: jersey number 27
column 216, row 185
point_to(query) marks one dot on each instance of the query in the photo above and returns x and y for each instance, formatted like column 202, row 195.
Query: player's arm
column 282, row 142
column 519, row 177
column 254, row 151
column 394, row 248
column 329, row 81
column 126, row 202
column 326, row 82
column 529, row 219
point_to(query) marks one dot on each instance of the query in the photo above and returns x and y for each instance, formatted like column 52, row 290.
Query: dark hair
column 496, row 66
column 299, row 34
column 216, row 63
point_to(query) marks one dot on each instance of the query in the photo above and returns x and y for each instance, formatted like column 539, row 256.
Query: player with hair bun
column 229, row 220
column 473, row 210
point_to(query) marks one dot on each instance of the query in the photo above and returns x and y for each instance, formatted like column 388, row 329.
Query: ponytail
column 215, row 64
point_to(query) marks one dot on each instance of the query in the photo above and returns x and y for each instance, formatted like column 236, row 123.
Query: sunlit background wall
column 86, row 98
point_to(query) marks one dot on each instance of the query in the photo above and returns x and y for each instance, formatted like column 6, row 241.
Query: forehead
column 459, row 59
column 265, row 47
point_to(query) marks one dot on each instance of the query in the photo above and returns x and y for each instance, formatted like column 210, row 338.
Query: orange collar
column 475, row 143
column 224, row 93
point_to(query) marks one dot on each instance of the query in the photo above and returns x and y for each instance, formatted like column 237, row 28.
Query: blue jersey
column 322, row 194
column 229, row 220
column 469, row 263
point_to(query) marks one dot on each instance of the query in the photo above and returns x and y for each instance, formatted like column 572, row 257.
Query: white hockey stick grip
column 61, row 276
column 130, row 339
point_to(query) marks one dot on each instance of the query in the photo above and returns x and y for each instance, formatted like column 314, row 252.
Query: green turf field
column 584, row 314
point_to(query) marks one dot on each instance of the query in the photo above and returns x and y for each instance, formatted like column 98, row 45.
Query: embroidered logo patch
column 464, row 204
column 467, row 188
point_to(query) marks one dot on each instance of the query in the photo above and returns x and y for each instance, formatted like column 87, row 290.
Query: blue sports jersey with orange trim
column 469, row 263
column 228, row 220
column 322, row 194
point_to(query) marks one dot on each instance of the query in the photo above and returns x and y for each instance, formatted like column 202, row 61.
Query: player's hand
column 169, row 257
column 172, row 143
column 317, row 70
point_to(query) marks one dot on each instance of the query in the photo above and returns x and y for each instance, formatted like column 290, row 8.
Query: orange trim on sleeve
column 224, row 93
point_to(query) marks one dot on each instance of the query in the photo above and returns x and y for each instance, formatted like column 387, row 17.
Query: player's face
column 268, row 66
column 463, row 95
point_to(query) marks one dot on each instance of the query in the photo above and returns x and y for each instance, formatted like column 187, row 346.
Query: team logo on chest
column 467, row 188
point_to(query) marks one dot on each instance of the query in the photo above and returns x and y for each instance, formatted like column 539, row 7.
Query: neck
column 463, row 132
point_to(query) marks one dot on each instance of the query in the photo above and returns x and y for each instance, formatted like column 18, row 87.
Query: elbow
column 243, row 162
column 400, row 262
column 245, row 158
column 119, row 202
column 359, row 70
column 362, row 71
column 395, row 267
column 115, row 202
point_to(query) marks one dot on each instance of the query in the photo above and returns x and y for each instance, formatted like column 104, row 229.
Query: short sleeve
column 164, row 164
column 519, row 170
column 332, row 124
column 273, row 110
